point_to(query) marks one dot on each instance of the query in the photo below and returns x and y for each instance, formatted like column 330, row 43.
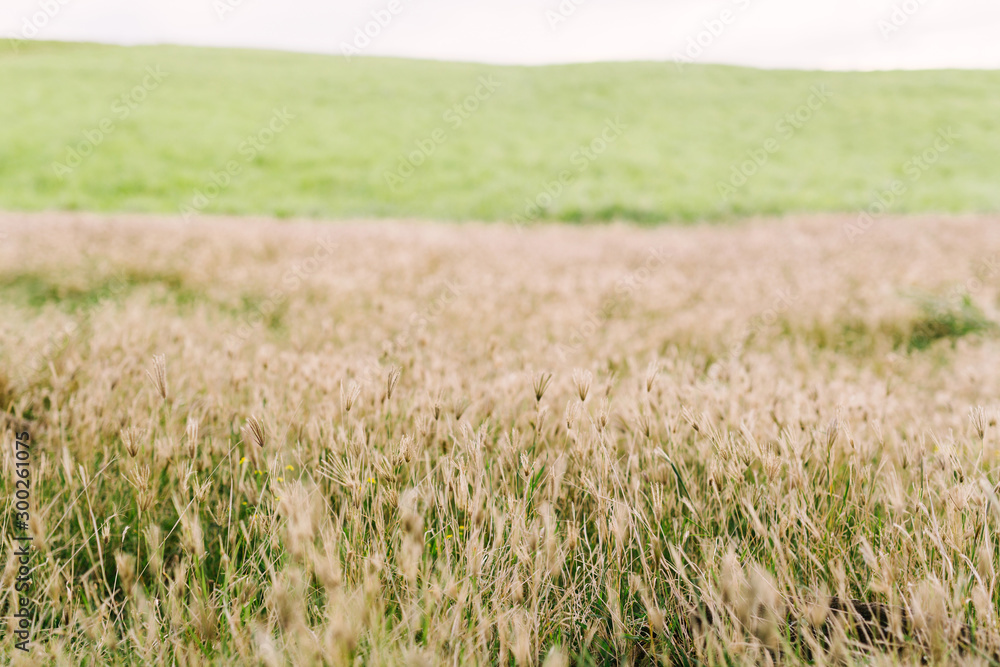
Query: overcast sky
column 813, row 34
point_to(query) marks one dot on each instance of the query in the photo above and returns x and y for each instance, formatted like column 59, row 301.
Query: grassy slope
column 355, row 119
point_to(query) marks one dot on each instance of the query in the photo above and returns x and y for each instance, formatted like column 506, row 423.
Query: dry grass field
column 284, row 443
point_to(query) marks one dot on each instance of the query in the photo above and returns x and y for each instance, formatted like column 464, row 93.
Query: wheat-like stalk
column 158, row 375
column 254, row 432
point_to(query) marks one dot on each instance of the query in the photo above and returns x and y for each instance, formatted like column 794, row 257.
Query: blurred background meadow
column 91, row 129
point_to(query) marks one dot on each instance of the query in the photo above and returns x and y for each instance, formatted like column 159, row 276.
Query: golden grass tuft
column 763, row 450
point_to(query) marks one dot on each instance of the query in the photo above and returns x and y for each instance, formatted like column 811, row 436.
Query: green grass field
column 354, row 122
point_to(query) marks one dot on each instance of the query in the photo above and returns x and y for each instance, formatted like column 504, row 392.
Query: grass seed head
column 390, row 381
column 977, row 416
column 349, row 397
column 832, row 430
column 407, row 450
column 153, row 536
column 582, row 380
column 604, row 415
column 254, row 432
column 517, row 588
column 158, row 375
column 540, row 383
column 191, row 430
column 132, row 439
column 125, row 564
column 438, row 404
column 138, row 476
column 651, row 373
column 192, row 536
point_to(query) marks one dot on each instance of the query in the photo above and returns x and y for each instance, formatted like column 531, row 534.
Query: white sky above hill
column 809, row 34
